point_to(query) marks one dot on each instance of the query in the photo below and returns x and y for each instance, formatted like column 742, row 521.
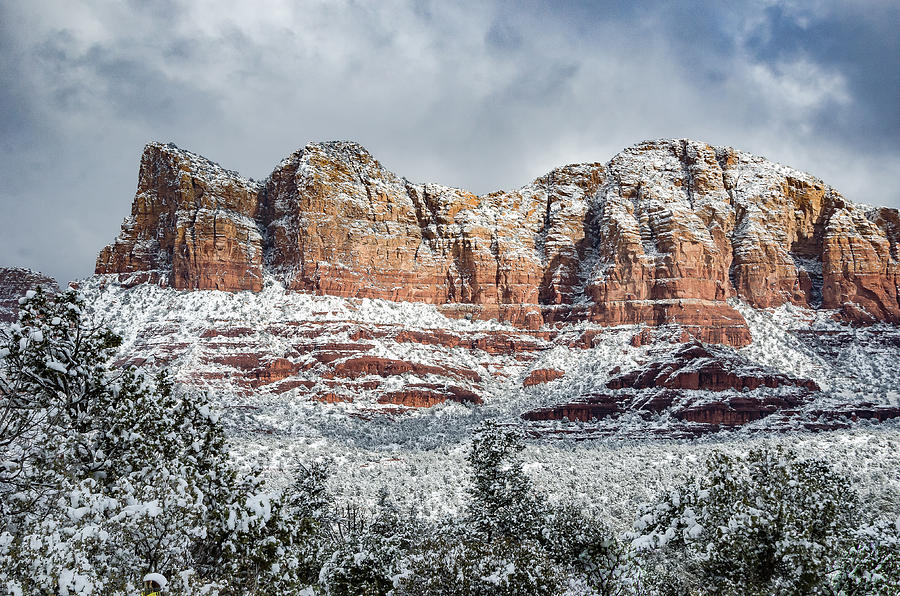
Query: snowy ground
column 418, row 457
column 610, row 477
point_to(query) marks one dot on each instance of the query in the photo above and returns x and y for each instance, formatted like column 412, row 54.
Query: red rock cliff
column 665, row 232
column 192, row 226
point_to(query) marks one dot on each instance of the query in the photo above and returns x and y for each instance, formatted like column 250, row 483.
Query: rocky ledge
column 702, row 388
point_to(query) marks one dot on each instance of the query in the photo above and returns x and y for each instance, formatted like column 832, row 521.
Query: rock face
column 192, row 226
column 14, row 282
column 664, row 233
column 425, row 398
column 701, row 386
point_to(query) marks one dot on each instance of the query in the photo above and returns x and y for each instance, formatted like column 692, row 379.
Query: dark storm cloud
column 482, row 95
column 858, row 40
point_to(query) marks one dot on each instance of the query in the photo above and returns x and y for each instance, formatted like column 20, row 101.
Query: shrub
column 768, row 523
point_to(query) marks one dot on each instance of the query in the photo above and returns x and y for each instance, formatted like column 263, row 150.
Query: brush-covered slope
column 14, row 282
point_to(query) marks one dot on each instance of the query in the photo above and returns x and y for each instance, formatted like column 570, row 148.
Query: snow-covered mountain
column 665, row 232
column 677, row 289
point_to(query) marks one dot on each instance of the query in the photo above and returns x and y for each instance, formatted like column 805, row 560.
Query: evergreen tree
column 107, row 475
column 502, row 500
column 368, row 550
column 452, row 562
column 770, row 523
column 588, row 549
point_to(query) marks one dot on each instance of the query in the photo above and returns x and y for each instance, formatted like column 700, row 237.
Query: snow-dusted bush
column 453, row 563
column 871, row 565
column 502, row 501
column 768, row 523
column 365, row 562
column 587, row 549
column 107, row 475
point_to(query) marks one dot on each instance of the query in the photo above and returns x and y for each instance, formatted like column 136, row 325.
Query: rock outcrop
column 705, row 387
column 698, row 367
column 664, row 233
column 540, row 376
column 193, row 226
column 14, row 282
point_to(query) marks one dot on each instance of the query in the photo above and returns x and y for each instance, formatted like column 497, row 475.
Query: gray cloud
column 479, row 95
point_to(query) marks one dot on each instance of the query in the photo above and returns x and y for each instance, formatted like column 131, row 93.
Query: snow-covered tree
column 365, row 562
column 107, row 474
column 768, row 523
column 502, row 500
column 588, row 549
column 367, row 548
column 312, row 511
column 451, row 562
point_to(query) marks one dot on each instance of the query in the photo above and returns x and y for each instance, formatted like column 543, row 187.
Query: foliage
column 587, row 548
column 769, row 523
column 367, row 551
column 454, row 564
column 871, row 564
column 107, row 474
column 502, row 500
column 511, row 541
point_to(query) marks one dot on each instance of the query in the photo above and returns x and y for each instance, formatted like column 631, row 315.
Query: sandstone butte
column 665, row 232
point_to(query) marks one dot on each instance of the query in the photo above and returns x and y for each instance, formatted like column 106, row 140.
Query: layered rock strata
column 693, row 384
column 666, row 232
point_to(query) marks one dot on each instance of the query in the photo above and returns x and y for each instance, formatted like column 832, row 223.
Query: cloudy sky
column 474, row 94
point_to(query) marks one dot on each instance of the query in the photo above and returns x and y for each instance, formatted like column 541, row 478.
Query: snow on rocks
column 281, row 360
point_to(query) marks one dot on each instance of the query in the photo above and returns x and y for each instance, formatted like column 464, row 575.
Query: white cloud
column 799, row 86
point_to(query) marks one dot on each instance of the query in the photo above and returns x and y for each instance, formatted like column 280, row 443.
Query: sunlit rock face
column 192, row 226
column 664, row 233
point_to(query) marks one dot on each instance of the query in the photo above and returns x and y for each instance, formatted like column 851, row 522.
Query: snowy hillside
column 418, row 454
column 227, row 342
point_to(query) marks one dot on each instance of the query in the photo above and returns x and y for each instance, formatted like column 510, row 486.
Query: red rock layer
column 664, row 233
column 733, row 410
column 308, row 357
column 424, row 398
column 542, row 375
